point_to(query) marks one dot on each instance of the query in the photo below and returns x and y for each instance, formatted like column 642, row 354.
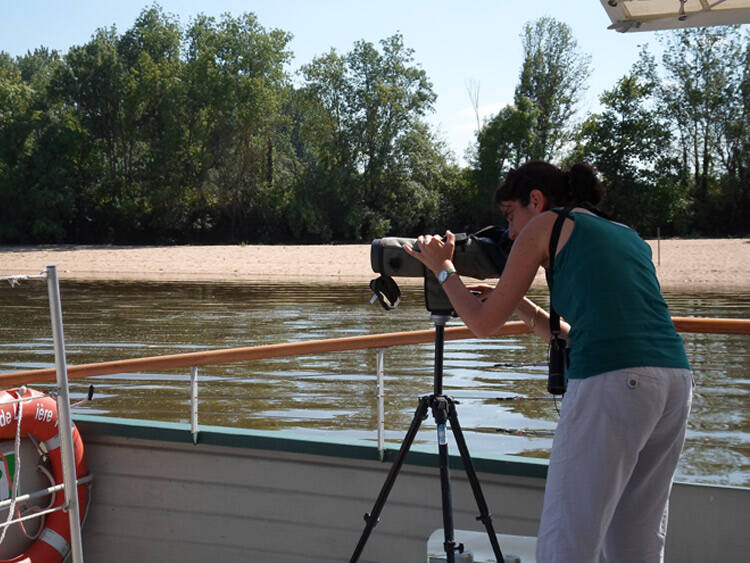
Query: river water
column 333, row 395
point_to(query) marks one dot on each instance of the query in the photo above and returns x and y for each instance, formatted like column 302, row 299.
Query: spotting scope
column 479, row 255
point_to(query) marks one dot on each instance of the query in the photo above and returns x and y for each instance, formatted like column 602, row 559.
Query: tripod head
column 440, row 318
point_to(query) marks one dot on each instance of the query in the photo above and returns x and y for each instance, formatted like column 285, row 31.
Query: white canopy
column 652, row 15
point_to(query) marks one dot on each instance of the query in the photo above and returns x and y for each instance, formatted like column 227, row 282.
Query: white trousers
column 613, row 458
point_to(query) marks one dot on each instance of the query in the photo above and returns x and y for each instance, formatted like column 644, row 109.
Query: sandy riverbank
column 700, row 263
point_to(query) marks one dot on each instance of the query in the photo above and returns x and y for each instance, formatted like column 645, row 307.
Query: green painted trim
column 295, row 442
column 132, row 428
column 713, row 486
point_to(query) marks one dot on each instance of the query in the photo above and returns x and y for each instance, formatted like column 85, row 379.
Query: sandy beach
column 680, row 263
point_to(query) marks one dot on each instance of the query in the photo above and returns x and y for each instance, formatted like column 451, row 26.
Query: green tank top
column 605, row 287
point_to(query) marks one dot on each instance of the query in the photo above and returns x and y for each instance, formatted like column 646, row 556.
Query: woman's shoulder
column 549, row 216
column 545, row 220
column 539, row 228
column 541, row 231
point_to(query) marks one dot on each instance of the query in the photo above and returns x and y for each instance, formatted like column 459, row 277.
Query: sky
column 474, row 42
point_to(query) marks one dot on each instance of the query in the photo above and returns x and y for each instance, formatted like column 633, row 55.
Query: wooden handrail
column 387, row 340
column 715, row 326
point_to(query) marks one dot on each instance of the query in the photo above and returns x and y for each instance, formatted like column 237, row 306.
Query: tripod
column 443, row 409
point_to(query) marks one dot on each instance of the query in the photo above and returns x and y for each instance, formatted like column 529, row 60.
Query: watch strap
column 444, row 274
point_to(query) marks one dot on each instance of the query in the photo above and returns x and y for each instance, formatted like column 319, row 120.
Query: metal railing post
column 380, row 394
column 194, row 403
column 64, row 420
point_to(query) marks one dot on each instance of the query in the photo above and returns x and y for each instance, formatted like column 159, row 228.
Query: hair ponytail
column 578, row 184
column 583, row 185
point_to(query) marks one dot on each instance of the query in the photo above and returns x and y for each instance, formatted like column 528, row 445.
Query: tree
column 732, row 205
column 89, row 85
column 553, row 76
column 505, row 141
column 178, row 148
column 371, row 141
column 152, row 95
column 539, row 122
column 38, row 149
column 626, row 143
column 738, row 137
column 15, row 101
column 124, row 93
column 165, row 133
column 703, row 97
column 236, row 87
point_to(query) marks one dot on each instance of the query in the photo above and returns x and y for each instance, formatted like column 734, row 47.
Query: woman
column 623, row 418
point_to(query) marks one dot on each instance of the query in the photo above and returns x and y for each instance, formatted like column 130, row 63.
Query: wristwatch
column 442, row 276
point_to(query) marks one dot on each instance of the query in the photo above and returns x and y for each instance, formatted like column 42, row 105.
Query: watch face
column 443, row 276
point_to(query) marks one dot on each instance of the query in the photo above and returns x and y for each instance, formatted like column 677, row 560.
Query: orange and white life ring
column 39, row 419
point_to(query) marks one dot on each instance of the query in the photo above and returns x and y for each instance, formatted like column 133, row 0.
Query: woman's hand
column 434, row 252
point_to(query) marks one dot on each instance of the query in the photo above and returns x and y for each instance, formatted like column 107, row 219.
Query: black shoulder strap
column 562, row 214
column 554, row 318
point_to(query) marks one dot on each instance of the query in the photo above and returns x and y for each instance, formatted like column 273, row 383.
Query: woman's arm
column 537, row 319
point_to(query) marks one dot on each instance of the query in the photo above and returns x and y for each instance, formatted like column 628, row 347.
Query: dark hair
column 577, row 184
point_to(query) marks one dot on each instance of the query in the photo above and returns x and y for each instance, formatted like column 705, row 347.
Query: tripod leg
column 440, row 412
column 484, row 513
column 371, row 518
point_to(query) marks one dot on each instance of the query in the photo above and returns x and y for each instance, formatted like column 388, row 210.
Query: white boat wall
column 248, row 495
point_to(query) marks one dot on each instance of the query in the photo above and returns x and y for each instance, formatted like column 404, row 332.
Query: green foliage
column 703, row 96
column 539, row 124
column 504, row 142
column 196, row 133
column 37, row 152
column 673, row 151
column 381, row 168
column 235, row 88
column 553, row 76
column 136, row 143
column 626, row 144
